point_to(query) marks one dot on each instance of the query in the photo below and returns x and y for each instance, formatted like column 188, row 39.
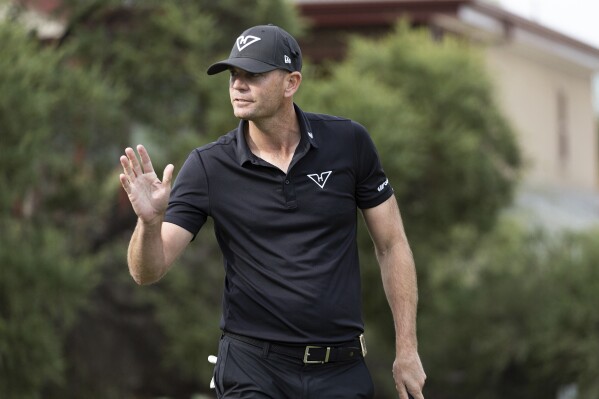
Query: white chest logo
column 244, row 41
column 320, row 179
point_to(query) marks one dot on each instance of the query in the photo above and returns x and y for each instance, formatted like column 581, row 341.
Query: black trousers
column 247, row 371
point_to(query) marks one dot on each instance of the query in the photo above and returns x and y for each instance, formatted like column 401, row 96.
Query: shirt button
column 286, row 181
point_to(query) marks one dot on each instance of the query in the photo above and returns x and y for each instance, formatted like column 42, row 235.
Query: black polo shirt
column 288, row 240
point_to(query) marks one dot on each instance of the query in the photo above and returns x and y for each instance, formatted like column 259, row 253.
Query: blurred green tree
column 50, row 113
column 516, row 308
column 41, row 290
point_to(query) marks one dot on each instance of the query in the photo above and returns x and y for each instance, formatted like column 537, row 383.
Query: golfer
column 283, row 189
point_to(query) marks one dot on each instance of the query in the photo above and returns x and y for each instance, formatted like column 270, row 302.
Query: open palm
column 148, row 195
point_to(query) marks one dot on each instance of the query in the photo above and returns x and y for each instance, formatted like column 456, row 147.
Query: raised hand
column 148, row 195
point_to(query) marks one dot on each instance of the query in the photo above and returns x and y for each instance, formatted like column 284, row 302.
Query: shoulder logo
column 382, row 186
column 320, row 179
column 244, row 41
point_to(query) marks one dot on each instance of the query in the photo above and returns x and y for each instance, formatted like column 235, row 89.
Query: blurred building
column 544, row 82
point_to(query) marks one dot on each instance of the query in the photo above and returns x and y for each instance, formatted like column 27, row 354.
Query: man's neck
column 275, row 140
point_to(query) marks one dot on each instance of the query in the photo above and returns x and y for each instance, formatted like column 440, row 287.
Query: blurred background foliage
column 505, row 310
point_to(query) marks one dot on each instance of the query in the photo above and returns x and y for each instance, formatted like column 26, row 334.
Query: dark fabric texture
column 288, row 239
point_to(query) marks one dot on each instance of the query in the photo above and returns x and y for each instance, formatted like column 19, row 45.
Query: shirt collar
column 307, row 139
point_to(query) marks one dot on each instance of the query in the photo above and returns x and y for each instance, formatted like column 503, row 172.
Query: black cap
column 261, row 49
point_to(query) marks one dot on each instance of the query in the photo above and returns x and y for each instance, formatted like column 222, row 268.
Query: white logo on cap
column 244, row 41
column 287, row 60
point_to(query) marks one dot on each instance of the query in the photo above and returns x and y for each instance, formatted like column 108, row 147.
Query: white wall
column 528, row 85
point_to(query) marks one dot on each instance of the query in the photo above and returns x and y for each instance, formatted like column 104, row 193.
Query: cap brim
column 247, row 64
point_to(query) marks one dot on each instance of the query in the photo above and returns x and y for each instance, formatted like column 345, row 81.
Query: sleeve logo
column 382, row 186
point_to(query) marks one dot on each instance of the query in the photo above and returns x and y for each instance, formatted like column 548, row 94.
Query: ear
column 292, row 83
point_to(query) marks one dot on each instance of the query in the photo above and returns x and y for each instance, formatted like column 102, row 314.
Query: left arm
column 399, row 282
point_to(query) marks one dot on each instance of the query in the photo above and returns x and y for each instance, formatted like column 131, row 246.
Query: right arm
column 154, row 248
column 155, row 244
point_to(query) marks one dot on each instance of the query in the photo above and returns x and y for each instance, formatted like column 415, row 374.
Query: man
column 283, row 190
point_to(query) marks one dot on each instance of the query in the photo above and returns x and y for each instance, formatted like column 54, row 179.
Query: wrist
column 406, row 345
column 151, row 223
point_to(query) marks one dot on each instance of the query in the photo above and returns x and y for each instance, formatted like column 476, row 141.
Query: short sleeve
column 372, row 186
column 189, row 201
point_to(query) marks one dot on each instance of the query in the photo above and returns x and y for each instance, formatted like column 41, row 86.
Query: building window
column 563, row 145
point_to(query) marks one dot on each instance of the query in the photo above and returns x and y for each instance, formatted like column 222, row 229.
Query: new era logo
column 244, row 41
column 287, row 60
column 320, row 179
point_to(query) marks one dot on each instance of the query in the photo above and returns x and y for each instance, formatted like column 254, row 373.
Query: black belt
column 309, row 354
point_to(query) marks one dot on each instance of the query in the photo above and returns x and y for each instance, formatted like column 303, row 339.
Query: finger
column 402, row 391
column 146, row 162
column 405, row 394
column 133, row 161
column 126, row 164
column 417, row 395
column 167, row 176
column 125, row 183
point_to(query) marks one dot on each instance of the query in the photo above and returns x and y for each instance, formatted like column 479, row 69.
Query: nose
column 237, row 82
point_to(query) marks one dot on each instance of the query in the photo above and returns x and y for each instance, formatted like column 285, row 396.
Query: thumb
column 167, row 176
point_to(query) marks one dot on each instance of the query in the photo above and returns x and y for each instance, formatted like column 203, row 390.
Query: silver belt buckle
column 307, row 355
column 363, row 345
